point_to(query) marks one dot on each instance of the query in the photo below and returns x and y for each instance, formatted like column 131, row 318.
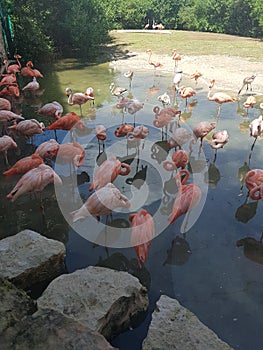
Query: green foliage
column 45, row 29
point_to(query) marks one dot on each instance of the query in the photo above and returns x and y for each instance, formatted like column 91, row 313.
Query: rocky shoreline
column 84, row 309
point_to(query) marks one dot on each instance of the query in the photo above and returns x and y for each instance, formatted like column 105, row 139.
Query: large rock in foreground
column 50, row 330
column 103, row 299
column 174, row 327
column 28, row 258
column 14, row 305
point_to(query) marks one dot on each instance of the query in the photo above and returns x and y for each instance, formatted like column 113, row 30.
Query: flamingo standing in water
column 155, row 64
column 187, row 198
column 254, row 183
column 164, row 116
column 52, row 109
column 77, row 98
column 101, row 135
column 68, row 122
column 250, row 102
column 32, row 85
column 71, row 152
column 28, row 128
column 29, row 71
column 195, row 76
column 13, row 68
column 48, row 149
column 35, row 180
column 178, row 138
column 256, row 129
column 219, row 97
column 6, row 143
column 180, row 159
column 142, row 233
column 201, row 130
column 117, row 91
column 132, row 106
column 5, row 104
column 101, row 202
column 219, row 139
column 24, row 165
column 176, row 57
column 186, row 92
column 108, row 171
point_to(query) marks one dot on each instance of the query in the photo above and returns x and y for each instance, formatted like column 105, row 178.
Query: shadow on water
column 203, row 268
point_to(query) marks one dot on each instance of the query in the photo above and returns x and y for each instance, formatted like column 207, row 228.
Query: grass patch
column 189, row 43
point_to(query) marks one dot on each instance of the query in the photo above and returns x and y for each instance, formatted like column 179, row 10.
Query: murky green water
column 203, row 268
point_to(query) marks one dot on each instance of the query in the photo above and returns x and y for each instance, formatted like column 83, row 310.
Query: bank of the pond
column 228, row 71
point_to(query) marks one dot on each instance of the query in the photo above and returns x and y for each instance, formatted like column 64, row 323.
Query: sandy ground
column 227, row 71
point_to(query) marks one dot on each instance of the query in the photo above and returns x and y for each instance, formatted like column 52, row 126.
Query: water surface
column 203, row 268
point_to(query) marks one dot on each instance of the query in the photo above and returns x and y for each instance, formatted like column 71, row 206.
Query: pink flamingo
column 218, row 97
column 13, row 68
column 164, row 116
column 101, row 202
column 71, row 152
column 6, row 143
column 8, row 79
column 178, row 138
column 5, row 104
column 35, row 180
column 108, row 171
column 155, row 64
column 176, row 57
column 180, row 159
column 254, row 183
column 219, row 140
column 77, row 98
column 187, row 92
column 187, row 198
column 48, row 149
column 24, row 165
column 133, row 106
column 256, row 129
column 29, row 127
column 28, row 71
column 195, row 76
column 142, row 233
column 101, row 135
column 52, row 109
column 201, row 130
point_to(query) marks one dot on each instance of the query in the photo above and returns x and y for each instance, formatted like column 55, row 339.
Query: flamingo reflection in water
column 142, row 233
column 187, row 198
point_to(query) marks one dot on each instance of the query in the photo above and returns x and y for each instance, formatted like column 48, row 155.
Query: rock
column 14, row 304
column 174, row 327
column 104, row 299
column 51, row 330
column 28, row 258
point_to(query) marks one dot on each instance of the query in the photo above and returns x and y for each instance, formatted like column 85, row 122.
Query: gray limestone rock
column 104, row 299
column 14, row 304
column 28, row 258
column 174, row 327
column 51, row 330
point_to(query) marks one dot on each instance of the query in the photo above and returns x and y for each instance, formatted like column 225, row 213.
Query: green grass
column 189, row 43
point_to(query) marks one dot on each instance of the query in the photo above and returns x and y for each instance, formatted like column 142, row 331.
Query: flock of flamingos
column 36, row 173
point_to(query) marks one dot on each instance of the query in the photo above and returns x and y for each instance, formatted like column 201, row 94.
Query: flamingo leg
column 251, row 150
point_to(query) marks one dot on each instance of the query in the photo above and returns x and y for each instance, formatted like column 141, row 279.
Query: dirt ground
column 227, row 71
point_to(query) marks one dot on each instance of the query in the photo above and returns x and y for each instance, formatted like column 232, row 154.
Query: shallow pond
column 197, row 258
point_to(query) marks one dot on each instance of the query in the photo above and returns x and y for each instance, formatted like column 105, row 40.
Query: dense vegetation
column 46, row 28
